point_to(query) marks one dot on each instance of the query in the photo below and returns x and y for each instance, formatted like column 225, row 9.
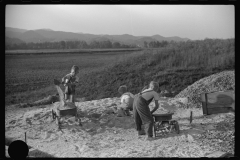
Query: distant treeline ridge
column 82, row 45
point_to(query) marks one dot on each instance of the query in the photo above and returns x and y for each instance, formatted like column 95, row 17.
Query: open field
column 58, row 51
column 30, row 77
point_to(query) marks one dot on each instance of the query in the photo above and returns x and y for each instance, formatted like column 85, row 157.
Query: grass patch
column 178, row 65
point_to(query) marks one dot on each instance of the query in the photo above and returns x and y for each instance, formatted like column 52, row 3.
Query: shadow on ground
column 38, row 153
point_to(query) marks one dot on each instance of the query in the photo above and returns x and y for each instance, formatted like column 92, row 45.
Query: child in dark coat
column 70, row 81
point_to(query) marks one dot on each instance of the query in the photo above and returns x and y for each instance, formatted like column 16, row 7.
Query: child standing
column 70, row 81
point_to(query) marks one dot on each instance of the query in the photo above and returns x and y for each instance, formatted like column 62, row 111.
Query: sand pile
column 217, row 82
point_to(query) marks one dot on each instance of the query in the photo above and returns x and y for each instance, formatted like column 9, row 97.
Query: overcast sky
column 186, row 21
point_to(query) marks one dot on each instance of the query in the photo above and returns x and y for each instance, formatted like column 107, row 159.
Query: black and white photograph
column 118, row 81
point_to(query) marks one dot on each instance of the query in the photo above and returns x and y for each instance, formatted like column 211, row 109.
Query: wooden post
column 206, row 99
column 26, row 137
column 204, row 103
column 190, row 117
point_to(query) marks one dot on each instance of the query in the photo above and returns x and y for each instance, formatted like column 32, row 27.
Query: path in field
column 103, row 134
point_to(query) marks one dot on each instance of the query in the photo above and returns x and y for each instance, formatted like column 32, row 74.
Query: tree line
column 156, row 44
column 83, row 45
column 69, row 45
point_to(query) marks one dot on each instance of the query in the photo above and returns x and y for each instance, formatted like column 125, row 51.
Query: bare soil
column 103, row 134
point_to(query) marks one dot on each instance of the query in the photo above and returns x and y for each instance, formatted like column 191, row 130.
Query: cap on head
column 74, row 68
column 122, row 89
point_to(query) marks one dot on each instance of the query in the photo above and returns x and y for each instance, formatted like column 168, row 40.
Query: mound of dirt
column 217, row 82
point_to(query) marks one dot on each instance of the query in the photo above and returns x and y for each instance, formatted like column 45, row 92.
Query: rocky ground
column 103, row 134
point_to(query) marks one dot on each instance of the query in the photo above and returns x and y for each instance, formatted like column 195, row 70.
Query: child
column 126, row 99
column 141, row 111
column 70, row 81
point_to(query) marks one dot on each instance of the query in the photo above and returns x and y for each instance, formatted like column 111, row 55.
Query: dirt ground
column 103, row 134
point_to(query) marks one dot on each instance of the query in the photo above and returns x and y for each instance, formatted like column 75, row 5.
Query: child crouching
column 126, row 99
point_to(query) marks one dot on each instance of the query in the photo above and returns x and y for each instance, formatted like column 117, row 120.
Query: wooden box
column 218, row 102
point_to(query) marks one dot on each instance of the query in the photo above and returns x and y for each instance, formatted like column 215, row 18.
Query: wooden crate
column 218, row 102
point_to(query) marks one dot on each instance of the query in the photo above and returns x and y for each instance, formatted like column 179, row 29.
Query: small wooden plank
column 216, row 106
column 219, row 110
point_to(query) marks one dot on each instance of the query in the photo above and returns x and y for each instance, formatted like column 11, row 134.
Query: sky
column 195, row 22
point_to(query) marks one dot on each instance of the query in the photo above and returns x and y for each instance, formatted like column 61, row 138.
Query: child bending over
column 126, row 99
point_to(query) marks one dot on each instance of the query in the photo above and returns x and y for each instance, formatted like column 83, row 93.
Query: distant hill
column 42, row 35
column 100, row 39
column 15, row 29
column 140, row 41
column 46, row 29
column 32, row 36
column 13, row 40
column 14, row 32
